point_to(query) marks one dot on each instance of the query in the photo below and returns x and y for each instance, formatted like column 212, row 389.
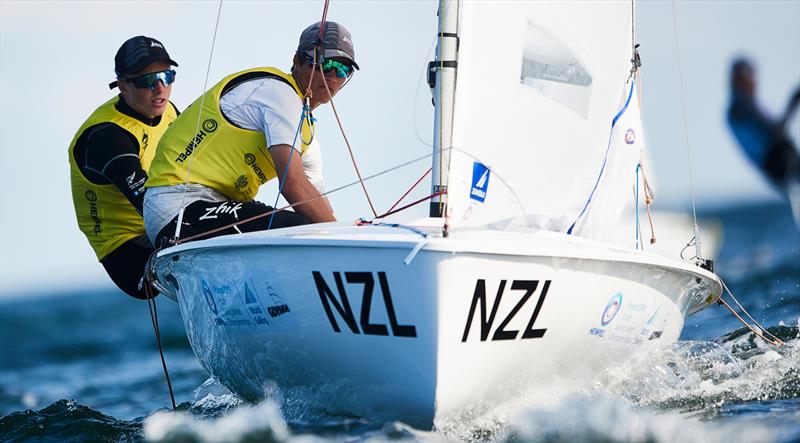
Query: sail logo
column 630, row 136
column 341, row 304
column 502, row 332
column 480, row 182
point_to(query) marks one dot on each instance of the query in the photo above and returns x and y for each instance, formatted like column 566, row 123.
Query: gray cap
column 335, row 42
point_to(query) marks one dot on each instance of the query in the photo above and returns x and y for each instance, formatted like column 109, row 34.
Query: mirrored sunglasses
column 149, row 81
column 342, row 70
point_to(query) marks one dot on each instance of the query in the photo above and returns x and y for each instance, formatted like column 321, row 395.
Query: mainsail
column 537, row 89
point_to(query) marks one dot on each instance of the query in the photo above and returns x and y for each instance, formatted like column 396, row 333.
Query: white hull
column 254, row 306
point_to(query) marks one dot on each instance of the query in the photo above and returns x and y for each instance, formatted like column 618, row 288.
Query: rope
column 266, row 214
column 648, row 200
column 288, row 162
column 410, row 189
column 197, row 126
column 748, row 314
column 347, row 142
column 435, row 194
column 636, row 205
column 774, row 343
column 698, row 252
column 324, row 19
column 151, row 305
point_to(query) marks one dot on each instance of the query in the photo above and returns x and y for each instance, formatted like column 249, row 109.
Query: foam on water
column 682, row 393
column 617, row 420
column 262, row 422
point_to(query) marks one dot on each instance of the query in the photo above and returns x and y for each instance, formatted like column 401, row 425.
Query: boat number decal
column 342, row 305
column 612, row 308
column 479, row 297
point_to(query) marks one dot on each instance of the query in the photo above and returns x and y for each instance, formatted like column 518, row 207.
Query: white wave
column 262, row 422
column 616, row 420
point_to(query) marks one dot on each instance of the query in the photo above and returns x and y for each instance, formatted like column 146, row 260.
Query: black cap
column 335, row 42
column 136, row 53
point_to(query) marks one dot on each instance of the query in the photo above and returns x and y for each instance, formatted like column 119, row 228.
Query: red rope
column 347, row 142
column 411, row 189
column 776, row 342
column 435, row 194
column 324, row 18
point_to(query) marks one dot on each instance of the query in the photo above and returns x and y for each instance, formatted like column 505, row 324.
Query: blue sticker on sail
column 480, row 182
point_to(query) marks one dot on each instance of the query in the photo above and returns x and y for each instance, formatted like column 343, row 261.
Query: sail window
column 553, row 70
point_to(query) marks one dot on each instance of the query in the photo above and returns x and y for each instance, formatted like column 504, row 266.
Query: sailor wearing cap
column 111, row 153
column 251, row 127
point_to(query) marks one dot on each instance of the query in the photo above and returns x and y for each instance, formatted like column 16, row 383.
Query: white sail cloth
column 537, row 89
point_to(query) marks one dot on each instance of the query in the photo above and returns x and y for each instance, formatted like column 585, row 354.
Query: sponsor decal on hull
column 611, row 310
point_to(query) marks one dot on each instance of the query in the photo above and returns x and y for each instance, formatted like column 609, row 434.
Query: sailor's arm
column 790, row 108
column 114, row 154
column 296, row 188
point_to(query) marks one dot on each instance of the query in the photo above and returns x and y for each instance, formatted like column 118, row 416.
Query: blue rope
column 605, row 159
column 636, row 234
column 399, row 226
column 303, row 117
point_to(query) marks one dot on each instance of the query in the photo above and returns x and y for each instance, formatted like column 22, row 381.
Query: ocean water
column 85, row 367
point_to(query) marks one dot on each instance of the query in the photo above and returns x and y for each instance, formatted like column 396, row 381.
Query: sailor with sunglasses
column 251, row 127
column 111, row 153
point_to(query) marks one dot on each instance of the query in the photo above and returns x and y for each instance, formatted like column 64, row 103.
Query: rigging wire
column 414, row 203
column 345, row 186
column 151, row 305
column 698, row 251
column 199, row 116
column 428, row 171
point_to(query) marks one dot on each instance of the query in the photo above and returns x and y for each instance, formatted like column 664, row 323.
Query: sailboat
column 509, row 285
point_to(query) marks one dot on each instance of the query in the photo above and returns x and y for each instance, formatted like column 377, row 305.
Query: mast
column 442, row 79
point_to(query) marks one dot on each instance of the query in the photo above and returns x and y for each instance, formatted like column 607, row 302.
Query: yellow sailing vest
column 105, row 216
column 224, row 157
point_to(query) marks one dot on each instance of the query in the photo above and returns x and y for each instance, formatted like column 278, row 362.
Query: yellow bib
column 104, row 215
column 224, row 157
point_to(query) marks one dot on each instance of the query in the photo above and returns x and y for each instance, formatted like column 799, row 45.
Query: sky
column 56, row 59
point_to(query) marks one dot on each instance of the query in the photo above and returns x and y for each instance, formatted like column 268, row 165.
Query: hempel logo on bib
column 250, row 160
column 209, row 125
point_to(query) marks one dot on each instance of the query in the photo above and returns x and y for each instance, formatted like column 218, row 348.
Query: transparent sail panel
column 549, row 67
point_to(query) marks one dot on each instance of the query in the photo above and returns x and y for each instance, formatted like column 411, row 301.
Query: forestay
column 538, row 86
